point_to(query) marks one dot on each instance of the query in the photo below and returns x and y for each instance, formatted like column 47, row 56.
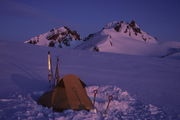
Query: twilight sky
column 22, row 19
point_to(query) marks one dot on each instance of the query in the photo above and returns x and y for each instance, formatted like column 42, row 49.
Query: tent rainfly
column 69, row 93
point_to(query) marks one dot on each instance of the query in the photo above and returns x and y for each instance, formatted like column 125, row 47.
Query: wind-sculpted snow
column 122, row 107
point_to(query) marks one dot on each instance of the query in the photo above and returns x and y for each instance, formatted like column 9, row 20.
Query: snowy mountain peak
column 124, row 27
column 119, row 37
column 130, row 30
column 57, row 37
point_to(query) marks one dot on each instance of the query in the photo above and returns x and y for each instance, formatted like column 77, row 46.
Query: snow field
column 122, row 107
column 153, row 82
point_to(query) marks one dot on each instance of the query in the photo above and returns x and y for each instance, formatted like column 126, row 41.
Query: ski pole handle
column 110, row 97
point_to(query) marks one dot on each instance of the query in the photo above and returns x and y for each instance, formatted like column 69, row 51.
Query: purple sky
column 22, row 19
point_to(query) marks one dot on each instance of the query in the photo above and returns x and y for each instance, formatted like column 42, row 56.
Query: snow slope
column 142, row 87
column 120, row 37
column 128, row 38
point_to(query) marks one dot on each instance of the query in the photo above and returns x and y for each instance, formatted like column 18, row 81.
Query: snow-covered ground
column 142, row 87
column 122, row 107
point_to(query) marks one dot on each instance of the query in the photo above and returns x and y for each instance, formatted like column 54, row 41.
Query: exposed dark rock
column 66, row 42
column 63, row 33
column 30, row 41
column 135, row 33
column 33, row 42
column 51, row 44
column 126, row 29
column 74, row 33
column 53, row 37
column 144, row 39
column 133, row 23
column 96, row 49
column 110, row 43
column 52, row 30
column 89, row 36
column 134, row 27
column 61, row 37
column 117, row 27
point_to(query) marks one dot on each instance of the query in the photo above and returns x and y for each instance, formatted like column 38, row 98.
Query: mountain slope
column 57, row 37
column 131, row 30
column 115, row 37
column 120, row 37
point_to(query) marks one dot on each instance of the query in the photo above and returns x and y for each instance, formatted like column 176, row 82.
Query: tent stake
column 94, row 99
column 109, row 100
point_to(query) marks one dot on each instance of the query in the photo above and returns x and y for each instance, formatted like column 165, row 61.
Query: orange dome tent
column 69, row 93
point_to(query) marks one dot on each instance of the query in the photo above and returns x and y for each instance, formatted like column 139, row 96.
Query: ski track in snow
column 122, row 107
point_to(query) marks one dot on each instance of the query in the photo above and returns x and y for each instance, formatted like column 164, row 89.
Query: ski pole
column 50, row 72
column 57, row 76
column 95, row 92
column 109, row 100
